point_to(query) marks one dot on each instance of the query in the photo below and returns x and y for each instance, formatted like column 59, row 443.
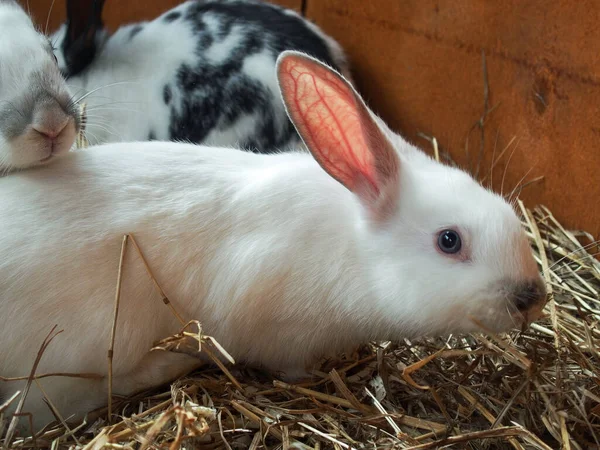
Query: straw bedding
column 532, row 389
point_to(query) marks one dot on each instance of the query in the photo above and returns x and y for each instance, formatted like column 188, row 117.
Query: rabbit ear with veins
column 339, row 130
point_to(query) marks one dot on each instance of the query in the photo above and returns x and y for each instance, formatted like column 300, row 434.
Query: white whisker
column 510, row 197
column 506, row 168
column 103, row 87
column 48, row 17
column 568, row 255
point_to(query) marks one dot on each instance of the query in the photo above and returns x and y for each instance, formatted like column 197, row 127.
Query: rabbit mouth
column 526, row 318
column 497, row 321
column 55, row 148
column 51, row 154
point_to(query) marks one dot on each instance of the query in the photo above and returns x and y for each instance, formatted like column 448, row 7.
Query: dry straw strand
column 113, row 331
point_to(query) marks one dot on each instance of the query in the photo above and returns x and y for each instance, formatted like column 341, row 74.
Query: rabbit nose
column 49, row 118
column 529, row 294
column 51, row 128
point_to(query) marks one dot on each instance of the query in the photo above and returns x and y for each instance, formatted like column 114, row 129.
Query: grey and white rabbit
column 203, row 72
column 39, row 119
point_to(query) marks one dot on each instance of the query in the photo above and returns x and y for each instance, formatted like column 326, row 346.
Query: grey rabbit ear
column 84, row 22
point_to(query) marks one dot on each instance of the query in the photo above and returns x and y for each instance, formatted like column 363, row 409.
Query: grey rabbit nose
column 51, row 128
column 529, row 294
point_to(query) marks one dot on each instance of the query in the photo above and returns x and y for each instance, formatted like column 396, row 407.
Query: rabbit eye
column 449, row 241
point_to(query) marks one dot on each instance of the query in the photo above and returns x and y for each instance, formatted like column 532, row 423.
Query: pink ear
column 336, row 126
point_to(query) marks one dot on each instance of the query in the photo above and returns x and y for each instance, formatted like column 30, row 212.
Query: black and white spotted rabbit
column 202, row 72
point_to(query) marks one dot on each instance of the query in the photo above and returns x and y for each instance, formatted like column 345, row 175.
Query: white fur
column 220, row 50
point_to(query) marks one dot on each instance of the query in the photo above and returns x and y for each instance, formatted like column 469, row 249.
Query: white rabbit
column 38, row 118
column 202, row 72
column 283, row 258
